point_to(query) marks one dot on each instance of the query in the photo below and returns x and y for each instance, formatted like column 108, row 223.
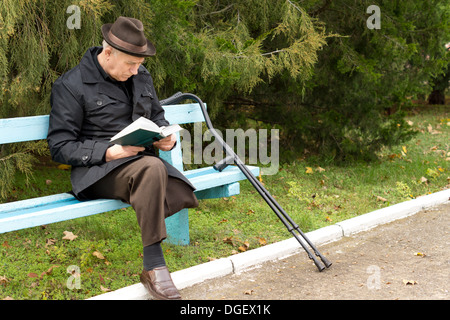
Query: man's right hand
column 117, row 151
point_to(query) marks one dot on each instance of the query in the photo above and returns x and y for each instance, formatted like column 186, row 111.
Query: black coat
column 88, row 109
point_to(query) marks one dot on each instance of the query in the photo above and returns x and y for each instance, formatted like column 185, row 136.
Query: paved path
column 405, row 259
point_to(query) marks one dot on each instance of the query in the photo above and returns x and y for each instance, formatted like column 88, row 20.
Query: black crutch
column 230, row 158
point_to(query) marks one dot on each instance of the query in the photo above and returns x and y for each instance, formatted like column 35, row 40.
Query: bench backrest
column 22, row 129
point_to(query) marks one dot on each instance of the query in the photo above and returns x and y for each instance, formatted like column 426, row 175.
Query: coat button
column 99, row 102
column 85, row 157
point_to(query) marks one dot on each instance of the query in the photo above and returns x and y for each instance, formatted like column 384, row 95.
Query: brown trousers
column 145, row 184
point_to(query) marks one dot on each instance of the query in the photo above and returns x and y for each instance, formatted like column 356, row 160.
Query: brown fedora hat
column 127, row 35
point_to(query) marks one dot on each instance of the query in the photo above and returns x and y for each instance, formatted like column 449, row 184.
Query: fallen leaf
column 223, row 220
column 423, row 180
column 242, row 249
column 381, row 199
column 420, row 254
column 327, row 218
column 262, row 241
column 409, row 282
column 404, row 149
column 309, row 170
column 5, row 244
column 64, row 167
column 32, row 275
column 228, row 240
column 3, row 280
column 320, row 169
column 69, row 236
column 51, row 269
column 431, row 130
column 98, row 255
column 248, row 292
column 48, row 272
column 244, row 246
column 393, row 156
column 49, row 242
column 104, row 289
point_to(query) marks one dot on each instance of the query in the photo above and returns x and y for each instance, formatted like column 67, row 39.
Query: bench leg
column 177, row 227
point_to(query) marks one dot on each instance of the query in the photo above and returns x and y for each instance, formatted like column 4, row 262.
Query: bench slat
column 184, row 113
column 23, row 129
column 35, row 202
column 55, row 208
column 36, row 127
column 28, row 219
column 206, row 178
column 227, row 190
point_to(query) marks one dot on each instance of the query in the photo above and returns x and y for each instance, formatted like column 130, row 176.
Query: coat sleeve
column 66, row 118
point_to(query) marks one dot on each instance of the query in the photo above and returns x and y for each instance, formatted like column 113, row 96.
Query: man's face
column 121, row 66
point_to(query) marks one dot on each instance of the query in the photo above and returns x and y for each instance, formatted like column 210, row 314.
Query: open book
column 143, row 132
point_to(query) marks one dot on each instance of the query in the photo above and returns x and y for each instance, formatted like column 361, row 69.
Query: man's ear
column 107, row 51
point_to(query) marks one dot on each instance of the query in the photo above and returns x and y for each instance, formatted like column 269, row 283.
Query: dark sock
column 153, row 257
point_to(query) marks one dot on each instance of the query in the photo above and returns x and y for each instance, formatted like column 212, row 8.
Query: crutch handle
column 172, row 99
column 222, row 164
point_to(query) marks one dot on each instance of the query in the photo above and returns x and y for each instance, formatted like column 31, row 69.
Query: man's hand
column 166, row 144
column 118, row 151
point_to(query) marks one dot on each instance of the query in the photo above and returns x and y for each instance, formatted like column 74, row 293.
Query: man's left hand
column 166, row 144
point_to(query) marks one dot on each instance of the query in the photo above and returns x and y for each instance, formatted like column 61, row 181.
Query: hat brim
column 151, row 50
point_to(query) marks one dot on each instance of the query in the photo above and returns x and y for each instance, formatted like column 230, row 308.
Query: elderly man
column 92, row 102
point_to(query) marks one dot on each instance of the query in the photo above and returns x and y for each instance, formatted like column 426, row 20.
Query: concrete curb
column 252, row 258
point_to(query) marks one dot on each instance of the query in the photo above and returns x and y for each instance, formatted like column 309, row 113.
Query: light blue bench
column 59, row 207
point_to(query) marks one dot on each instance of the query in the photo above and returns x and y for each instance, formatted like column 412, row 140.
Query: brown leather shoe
column 159, row 284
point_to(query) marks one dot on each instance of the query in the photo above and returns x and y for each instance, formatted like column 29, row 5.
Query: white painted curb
column 391, row 213
column 252, row 258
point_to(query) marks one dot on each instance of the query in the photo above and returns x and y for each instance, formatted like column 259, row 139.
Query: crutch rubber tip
column 326, row 262
column 319, row 266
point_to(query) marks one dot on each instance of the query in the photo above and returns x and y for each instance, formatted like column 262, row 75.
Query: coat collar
column 89, row 71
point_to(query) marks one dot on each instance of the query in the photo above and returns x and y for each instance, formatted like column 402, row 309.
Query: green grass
column 34, row 262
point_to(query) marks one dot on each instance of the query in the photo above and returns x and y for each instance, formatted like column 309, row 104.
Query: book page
column 167, row 131
column 141, row 123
